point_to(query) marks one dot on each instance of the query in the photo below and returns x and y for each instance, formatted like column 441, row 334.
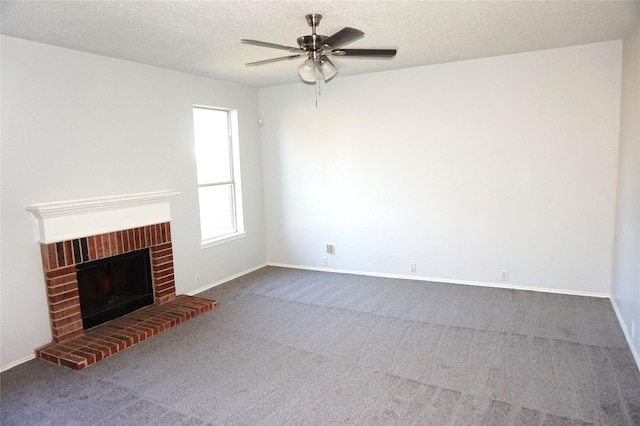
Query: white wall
column 76, row 125
column 626, row 272
column 464, row 169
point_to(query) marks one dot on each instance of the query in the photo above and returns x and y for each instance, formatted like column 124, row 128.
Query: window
column 216, row 145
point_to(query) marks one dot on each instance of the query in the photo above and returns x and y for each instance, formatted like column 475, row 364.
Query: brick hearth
column 111, row 337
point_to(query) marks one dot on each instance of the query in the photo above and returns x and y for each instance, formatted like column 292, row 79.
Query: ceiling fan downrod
column 312, row 43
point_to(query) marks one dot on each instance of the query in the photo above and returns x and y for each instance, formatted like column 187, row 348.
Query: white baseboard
column 443, row 280
column 224, row 280
column 17, row 362
column 626, row 332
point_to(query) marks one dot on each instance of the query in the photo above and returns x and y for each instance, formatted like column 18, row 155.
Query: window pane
column 216, row 211
column 212, row 145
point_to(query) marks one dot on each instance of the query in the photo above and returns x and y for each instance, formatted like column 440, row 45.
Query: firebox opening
column 115, row 286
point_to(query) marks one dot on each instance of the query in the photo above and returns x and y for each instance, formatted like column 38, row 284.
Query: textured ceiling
column 203, row 37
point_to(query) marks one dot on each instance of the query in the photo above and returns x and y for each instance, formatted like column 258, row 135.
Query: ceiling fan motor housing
column 312, row 42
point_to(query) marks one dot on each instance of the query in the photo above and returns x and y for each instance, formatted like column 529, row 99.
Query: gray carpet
column 301, row 347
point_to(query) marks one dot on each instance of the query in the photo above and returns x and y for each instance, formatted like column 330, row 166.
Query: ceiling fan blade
column 268, row 61
column 272, row 45
column 342, row 37
column 365, row 53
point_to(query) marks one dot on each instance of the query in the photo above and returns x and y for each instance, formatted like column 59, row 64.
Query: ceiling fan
column 316, row 48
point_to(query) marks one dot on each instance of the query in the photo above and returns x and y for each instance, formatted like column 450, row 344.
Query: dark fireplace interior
column 114, row 286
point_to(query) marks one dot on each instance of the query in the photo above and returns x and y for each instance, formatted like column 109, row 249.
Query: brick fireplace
column 75, row 232
column 60, row 259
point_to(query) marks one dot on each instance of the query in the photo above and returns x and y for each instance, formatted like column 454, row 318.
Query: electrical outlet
column 504, row 275
column 324, row 260
column 330, row 248
column 412, row 267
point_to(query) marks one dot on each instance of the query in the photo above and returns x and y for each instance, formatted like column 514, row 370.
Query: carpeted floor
column 302, row 347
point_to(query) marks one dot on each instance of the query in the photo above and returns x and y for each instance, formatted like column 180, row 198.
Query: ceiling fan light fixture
column 327, row 68
column 307, row 71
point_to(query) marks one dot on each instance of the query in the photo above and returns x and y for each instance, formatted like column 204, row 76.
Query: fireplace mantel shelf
column 60, row 221
column 66, row 208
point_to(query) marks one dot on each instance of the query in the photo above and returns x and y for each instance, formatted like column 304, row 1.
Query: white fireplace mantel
column 67, row 220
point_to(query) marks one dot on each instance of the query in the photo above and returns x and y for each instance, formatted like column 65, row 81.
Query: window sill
column 222, row 240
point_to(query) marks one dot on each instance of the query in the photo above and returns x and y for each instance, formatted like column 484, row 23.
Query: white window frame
column 234, row 166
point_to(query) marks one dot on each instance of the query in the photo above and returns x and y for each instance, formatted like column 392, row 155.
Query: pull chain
column 319, row 80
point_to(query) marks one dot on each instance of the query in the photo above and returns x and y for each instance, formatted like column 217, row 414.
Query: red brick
column 165, row 298
column 159, row 248
column 51, row 349
column 53, row 290
column 162, row 273
column 68, row 253
column 114, row 344
column 125, row 241
column 71, row 345
column 143, row 332
column 64, row 312
column 66, row 295
column 84, row 354
column 44, row 253
column 134, row 337
column 118, row 242
column 110, row 239
column 64, row 335
column 94, row 353
column 59, row 247
column 48, row 357
column 69, row 329
column 102, row 347
column 52, row 256
column 125, row 321
column 60, row 285
column 160, row 264
column 130, row 239
column 139, row 238
column 59, row 272
column 91, row 244
column 163, row 279
column 99, row 247
column 154, row 325
column 58, row 323
column 113, row 243
column 65, row 303
column 153, row 239
column 106, row 245
column 73, row 361
column 144, row 236
column 165, row 290
column 161, row 234
column 168, row 226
